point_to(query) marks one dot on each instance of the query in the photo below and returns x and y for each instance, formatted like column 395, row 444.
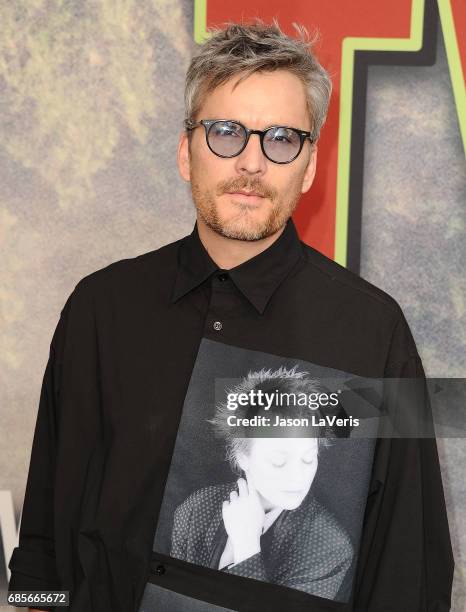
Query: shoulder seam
column 394, row 306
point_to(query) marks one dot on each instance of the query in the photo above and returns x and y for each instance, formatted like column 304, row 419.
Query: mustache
column 242, row 185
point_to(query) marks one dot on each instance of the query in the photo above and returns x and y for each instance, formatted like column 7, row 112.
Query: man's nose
column 251, row 159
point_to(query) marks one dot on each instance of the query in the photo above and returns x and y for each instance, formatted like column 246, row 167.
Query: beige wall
column 91, row 104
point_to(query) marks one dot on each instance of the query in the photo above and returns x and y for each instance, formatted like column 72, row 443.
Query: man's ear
column 184, row 163
column 310, row 172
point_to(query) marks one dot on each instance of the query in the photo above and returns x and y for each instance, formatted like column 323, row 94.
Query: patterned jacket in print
column 307, row 548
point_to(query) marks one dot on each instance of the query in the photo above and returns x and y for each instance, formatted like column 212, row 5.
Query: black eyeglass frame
column 208, row 123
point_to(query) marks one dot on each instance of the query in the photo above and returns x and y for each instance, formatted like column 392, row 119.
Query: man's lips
column 245, row 196
column 246, row 193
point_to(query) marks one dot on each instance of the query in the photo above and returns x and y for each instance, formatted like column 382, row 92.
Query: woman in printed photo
column 267, row 524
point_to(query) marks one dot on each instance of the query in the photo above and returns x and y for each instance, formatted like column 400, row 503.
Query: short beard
column 236, row 230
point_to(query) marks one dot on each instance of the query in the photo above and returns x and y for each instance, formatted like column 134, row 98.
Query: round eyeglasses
column 280, row 144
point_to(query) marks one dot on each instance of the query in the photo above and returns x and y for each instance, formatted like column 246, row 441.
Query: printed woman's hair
column 282, row 382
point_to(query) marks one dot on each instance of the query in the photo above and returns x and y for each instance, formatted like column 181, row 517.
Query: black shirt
column 127, row 479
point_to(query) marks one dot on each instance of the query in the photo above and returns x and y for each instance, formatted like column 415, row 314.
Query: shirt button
column 223, row 277
column 160, row 569
column 218, row 325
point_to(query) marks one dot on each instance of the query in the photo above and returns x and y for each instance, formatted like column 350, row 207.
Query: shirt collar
column 257, row 278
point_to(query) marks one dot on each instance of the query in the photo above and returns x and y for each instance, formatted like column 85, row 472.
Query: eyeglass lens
column 227, row 138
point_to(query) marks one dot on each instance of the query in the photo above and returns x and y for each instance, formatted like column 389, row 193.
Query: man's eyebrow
column 242, row 122
column 231, row 119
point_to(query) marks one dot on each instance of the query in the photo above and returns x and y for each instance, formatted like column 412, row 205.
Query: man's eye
column 281, row 139
column 308, row 461
column 226, row 132
column 278, row 463
column 282, row 136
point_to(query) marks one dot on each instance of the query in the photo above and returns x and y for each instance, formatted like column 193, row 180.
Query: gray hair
column 249, row 48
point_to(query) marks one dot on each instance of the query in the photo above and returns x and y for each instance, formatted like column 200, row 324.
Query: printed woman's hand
column 243, row 517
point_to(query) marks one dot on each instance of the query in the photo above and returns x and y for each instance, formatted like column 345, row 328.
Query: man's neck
column 228, row 253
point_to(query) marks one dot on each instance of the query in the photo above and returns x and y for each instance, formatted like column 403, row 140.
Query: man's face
column 260, row 101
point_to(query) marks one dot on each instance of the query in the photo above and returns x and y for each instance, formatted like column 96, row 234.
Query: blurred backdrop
column 91, row 106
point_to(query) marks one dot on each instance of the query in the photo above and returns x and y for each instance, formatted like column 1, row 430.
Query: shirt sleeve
column 407, row 556
column 33, row 563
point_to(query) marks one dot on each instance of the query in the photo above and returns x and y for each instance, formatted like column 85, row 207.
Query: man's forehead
column 259, row 103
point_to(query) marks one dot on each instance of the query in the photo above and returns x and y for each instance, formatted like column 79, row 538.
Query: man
column 131, row 382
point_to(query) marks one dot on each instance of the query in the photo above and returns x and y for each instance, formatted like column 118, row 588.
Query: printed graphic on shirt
column 158, row 599
column 279, row 501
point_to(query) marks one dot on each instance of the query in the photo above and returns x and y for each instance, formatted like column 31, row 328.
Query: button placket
column 220, row 291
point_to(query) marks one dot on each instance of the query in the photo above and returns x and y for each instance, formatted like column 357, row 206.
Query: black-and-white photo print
column 260, row 487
